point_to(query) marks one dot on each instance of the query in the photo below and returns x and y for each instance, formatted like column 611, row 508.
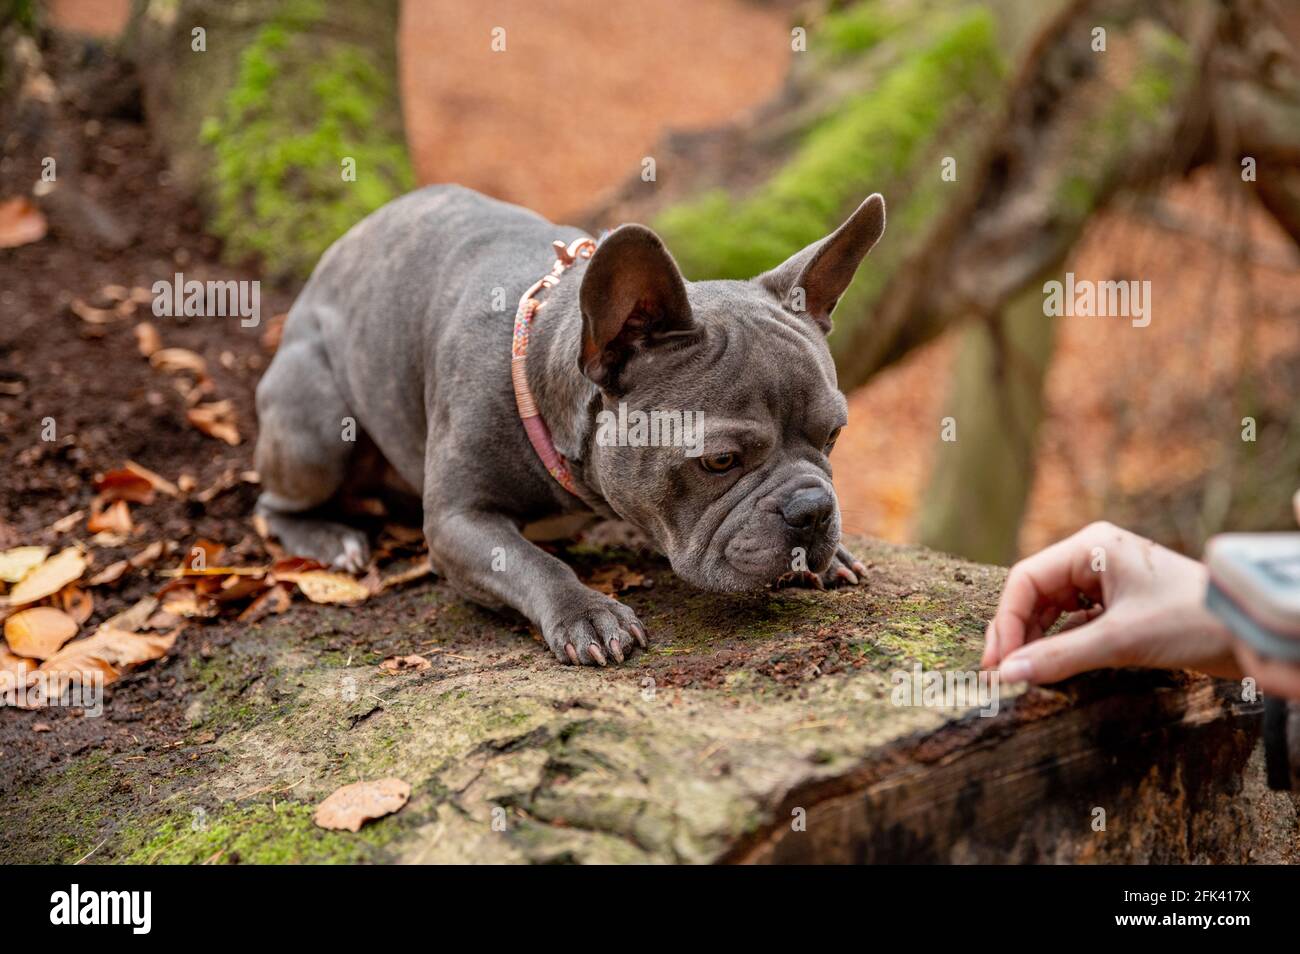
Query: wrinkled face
column 732, row 479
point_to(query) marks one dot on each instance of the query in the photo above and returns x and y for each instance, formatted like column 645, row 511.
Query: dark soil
column 107, row 404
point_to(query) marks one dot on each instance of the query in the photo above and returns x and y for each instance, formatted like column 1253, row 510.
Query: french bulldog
column 399, row 346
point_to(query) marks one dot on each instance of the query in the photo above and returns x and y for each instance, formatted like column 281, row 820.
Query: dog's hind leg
column 305, row 445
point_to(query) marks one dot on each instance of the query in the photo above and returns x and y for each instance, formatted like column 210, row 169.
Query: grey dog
column 401, row 334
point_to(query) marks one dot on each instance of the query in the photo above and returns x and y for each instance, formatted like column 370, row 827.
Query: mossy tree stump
column 283, row 116
column 758, row 728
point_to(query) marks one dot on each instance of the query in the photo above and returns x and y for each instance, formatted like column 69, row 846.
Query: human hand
column 1142, row 605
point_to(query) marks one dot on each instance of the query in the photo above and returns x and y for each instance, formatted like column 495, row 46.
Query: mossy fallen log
column 758, row 728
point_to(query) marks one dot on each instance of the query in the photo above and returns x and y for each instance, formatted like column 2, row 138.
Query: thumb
column 1090, row 646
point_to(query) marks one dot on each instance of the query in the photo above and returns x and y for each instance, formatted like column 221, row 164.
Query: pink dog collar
column 539, row 435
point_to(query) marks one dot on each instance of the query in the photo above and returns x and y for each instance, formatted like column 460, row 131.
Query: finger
column 1091, row 646
column 1050, row 578
column 1079, row 617
column 990, row 657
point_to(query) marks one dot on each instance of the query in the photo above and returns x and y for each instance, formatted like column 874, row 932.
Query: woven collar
column 539, row 435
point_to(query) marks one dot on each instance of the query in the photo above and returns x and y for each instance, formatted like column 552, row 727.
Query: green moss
column 57, row 819
column 293, row 115
column 931, row 642
column 870, row 141
column 259, row 834
column 855, row 29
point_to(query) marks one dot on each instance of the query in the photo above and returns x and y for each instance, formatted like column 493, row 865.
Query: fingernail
column 596, row 654
column 616, row 649
column 639, row 633
column 1016, row 670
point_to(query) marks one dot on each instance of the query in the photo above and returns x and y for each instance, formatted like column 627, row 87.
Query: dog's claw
column 597, row 631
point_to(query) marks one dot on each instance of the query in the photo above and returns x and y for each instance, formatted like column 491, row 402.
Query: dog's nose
column 810, row 509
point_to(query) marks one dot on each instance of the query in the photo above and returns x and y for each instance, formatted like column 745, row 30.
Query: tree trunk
column 782, row 726
column 282, row 115
column 982, row 475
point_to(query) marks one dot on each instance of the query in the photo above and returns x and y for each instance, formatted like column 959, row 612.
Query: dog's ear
column 811, row 281
column 632, row 296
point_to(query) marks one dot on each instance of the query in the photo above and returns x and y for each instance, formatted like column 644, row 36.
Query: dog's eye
column 830, row 441
column 719, row 463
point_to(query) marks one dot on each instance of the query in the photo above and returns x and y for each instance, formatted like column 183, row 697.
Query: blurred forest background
column 766, row 122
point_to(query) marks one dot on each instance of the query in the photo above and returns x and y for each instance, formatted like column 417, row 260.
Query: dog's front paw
column 594, row 629
column 845, row 570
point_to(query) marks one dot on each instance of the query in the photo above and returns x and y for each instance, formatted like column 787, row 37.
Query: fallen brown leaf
column 294, row 564
column 203, row 554
column 118, row 648
column 396, row 664
column 92, row 315
column 275, row 600
column 240, row 587
column 21, row 223
column 178, row 360
column 39, row 632
column 148, row 556
column 115, row 518
column 156, row 481
column 324, row 586
column 351, row 806
column 614, row 579
column 64, row 524
column 124, row 484
column 147, row 339
column 420, row 569
column 48, row 578
column 229, row 478
column 133, row 619
column 217, row 571
column 18, row 562
column 189, row 603
column 110, row 574
column 14, row 664
column 77, row 603
column 108, row 653
column 216, row 419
